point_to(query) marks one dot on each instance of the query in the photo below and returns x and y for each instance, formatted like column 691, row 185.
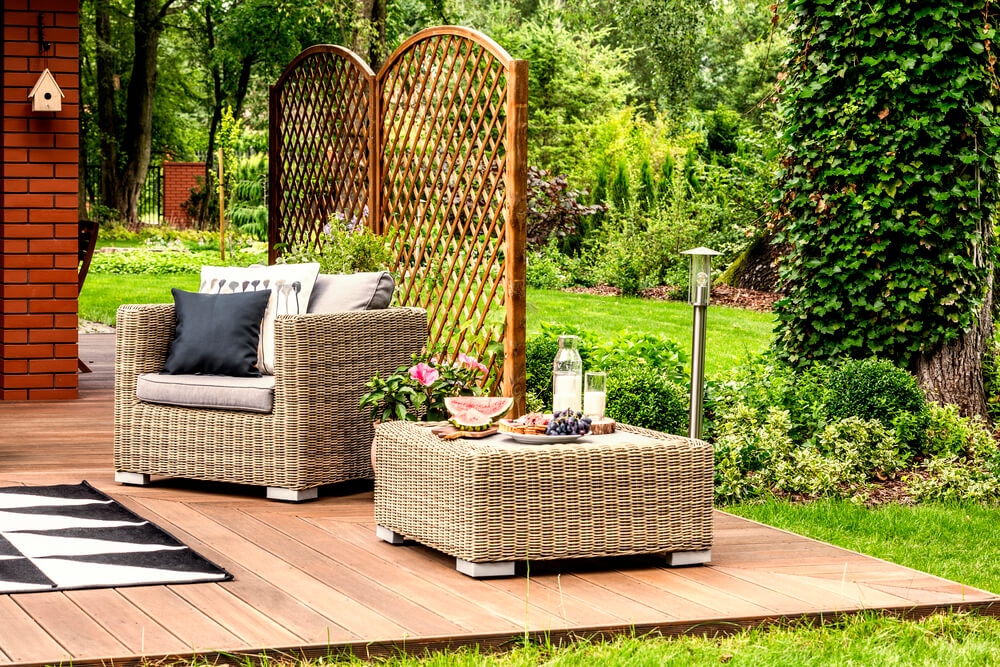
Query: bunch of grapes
column 567, row 422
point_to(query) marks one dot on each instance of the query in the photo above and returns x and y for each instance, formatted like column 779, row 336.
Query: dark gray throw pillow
column 217, row 334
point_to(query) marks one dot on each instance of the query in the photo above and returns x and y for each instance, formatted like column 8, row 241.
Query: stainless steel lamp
column 699, row 286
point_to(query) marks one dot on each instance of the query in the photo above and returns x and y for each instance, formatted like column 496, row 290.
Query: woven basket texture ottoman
column 492, row 502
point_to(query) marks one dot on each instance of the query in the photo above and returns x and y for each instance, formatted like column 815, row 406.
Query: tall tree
column 661, row 37
column 889, row 187
column 126, row 146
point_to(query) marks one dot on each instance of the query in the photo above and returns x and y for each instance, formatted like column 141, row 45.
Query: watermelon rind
column 468, row 427
column 472, row 413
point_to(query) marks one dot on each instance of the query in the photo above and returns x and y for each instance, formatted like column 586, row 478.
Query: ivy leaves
column 889, row 178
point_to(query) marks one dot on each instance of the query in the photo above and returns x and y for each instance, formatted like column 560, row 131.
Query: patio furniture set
column 487, row 502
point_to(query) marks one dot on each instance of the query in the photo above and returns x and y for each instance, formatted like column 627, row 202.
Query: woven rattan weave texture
column 485, row 502
column 316, row 434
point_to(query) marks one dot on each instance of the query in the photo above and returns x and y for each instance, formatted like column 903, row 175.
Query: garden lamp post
column 699, row 284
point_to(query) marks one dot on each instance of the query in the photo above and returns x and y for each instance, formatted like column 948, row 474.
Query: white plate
column 532, row 439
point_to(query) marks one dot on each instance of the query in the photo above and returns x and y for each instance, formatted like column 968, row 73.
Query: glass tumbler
column 595, row 395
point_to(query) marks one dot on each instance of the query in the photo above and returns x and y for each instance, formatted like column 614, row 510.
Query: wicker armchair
column 315, row 433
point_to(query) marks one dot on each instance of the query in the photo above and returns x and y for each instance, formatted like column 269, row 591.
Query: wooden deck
column 312, row 578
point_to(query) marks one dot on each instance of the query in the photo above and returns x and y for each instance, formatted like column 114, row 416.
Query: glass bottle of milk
column 567, row 375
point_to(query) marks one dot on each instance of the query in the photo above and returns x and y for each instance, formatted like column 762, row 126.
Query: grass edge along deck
column 504, row 641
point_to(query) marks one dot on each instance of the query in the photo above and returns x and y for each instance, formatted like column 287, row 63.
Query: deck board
column 139, row 633
column 313, row 578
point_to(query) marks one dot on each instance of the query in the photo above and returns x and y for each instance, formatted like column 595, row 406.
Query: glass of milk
column 595, row 395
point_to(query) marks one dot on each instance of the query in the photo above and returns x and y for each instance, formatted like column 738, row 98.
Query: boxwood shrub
column 876, row 389
column 643, row 396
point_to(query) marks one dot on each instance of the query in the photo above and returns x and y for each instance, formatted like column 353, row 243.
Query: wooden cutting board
column 449, row 432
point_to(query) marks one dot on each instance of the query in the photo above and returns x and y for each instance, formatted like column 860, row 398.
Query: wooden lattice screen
column 434, row 149
column 320, row 145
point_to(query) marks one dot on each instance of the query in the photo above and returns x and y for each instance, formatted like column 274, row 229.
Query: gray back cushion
column 335, row 293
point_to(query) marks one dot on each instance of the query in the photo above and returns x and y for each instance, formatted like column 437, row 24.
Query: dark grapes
column 568, row 422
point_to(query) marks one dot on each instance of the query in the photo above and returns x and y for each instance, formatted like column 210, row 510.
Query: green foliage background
column 888, row 181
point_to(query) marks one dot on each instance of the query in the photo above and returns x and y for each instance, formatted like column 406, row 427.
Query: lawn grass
column 103, row 292
column 733, row 333
column 955, row 541
column 867, row 639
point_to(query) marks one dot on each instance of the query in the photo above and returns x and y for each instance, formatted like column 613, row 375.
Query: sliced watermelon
column 476, row 413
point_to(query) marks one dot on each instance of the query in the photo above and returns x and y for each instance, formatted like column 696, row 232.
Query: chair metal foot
column 484, row 570
column 682, row 558
column 133, row 478
column 388, row 535
column 292, row 495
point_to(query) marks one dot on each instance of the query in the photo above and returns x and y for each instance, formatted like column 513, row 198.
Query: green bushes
column 837, row 429
column 246, row 206
column 549, row 268
column 964, row 462
column 949, row 435
column 645, row 375
column 345, row 247
column 644, row 396
column 877, row 389
column 948, row 480
column 149, row 262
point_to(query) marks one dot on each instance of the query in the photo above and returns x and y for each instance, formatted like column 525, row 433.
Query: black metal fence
column 151, row 210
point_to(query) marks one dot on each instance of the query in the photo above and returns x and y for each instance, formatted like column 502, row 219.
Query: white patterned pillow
column 291, row 286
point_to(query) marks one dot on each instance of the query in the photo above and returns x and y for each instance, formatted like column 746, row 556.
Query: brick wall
column 178, row 179
column 38, row 205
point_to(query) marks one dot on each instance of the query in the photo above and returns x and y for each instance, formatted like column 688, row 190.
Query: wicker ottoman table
column 491, row 502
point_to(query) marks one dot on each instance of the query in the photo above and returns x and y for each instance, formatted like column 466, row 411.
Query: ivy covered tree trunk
column 953, row 373
column 889, row 187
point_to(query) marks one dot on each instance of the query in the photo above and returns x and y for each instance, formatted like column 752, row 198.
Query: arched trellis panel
column 446, row 142
column 320, row 146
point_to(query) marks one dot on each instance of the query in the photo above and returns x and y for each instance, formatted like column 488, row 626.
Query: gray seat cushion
column 220, row 392
column 336, row 293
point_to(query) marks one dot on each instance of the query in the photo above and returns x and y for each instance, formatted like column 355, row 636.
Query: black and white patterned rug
column 73, row 536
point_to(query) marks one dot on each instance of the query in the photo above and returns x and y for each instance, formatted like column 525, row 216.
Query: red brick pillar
column 178, row 179
column 38, row 204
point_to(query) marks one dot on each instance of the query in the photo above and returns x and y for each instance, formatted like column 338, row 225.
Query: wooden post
column 222, row 211
column 375, row 121
column 273, row 130
column 515, row 294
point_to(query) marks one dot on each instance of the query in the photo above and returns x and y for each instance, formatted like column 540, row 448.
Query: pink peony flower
column 424, row 374
column 468, row 361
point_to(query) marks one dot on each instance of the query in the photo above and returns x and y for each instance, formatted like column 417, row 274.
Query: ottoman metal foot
column 292, row 495
column 483, row 570
column 681, row 558
column 133, row 478
column 387, row 535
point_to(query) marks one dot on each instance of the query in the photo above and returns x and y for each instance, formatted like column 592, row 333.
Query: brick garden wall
column 38, row 205
column 178, row 179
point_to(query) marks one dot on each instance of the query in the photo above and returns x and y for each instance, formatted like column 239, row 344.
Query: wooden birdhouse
column 46, row 95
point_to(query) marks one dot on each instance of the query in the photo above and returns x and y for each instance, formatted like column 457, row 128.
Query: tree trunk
column 137, row 138
column 242, row 84
column 954, row 373
column 107, row 117
column 204, row 208
column 376, row 51
column 371, row 42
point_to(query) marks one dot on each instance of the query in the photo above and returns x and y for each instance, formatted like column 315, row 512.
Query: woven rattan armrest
column 325, row 359
column 143, row 336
